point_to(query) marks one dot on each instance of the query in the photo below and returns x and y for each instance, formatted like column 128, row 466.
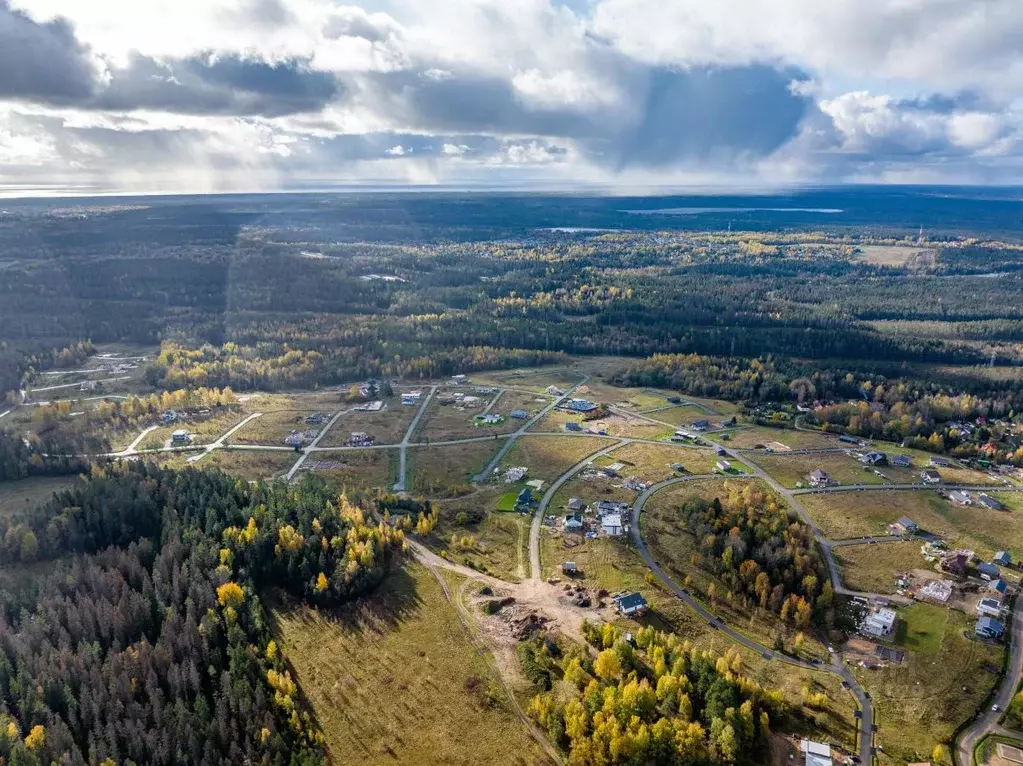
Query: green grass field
column 447, row 471
column 501, row 538
column 396, row 678
column 872, row 568
column 921, row 628
column 250, row 465
column 357, row 468
column 939, row 684
column 26, row 494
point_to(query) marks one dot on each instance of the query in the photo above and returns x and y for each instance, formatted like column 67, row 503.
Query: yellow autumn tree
column 230, row 594
column 607, row 665
column 36, row 737
column 321, row 583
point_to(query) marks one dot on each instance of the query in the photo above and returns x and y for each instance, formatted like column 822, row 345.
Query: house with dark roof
column 998, row 586
column 988, row 570
column 904, row 526
column 900, row 461
column 519, row 414
column 631, row 604
column 573, row 427
column 581, row 405
column 874, row 458
column 930, row 476
column 989, row 502
column 573, row 523
column 819, row 478
column 525, row 499
column 989, row 627
column 700, row 425
column 939, row 462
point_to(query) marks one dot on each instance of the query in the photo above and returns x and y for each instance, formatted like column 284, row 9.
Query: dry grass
column 26, row 494
column 530, row 379
column 502, row 538
column 547, row 457
column 396, row 678
column 893, row 255
column 614, row 425
column 357, row 468
column 447, row 471
column 745, row 438
column 272, row 427
column 250, row 465
column 921, row 701
column 387, row 426
column 652, row 462
column 872, row 568
column 682, row 415
column 843, row 515
column 447, row 421
column 791, row 470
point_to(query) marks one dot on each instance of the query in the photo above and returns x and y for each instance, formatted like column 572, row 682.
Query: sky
column 259, row 95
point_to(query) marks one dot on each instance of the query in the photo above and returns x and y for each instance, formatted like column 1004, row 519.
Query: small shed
column 1003, row 558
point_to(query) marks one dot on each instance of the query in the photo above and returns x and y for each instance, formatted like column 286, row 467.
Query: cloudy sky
column 219, row 95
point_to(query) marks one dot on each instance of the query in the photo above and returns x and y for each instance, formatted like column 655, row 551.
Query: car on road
column 995, row 708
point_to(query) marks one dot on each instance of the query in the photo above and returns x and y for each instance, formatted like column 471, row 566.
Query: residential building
column 581, row 405
column 874, row 458
column 573, row 427
column 848, row 439
column 315, row 419
column 490, row 419
column 359, row 439
column 819, row 478
column 611, row 525
column 989, row 627
column 294, row 439
column 575, row 504
column 525, row 499
column 990, row 607
column 459, row 380
column 724, row 466
column 486, row 391
column 900, row 461
column 956, row 563
column 573, row 523
column 988, row 571
column 939, row 462
column 1003, row 558
column 535, row 484
column 930, row 476
column 700, row 425
column 674, row 400
column 960, row 498
column 519, row 414
column 374, row 406
column 815, row 753
column 555, row 391
column 411, row 397
column 630, row 604
column 180, row 436
column 904, row 526
column 168, row 417
column 997, row 586
column 569, row 568
column 680, row 436
column 720, row 451
column 879, row 623
column 603, row 507
column 635, row 483
column 989, row 502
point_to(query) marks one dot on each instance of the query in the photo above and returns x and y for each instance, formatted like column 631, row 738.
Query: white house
column 879, row 623
column 179, row 436
column 815, row 753
column 960, row 498
column 724, row 466
column 819, row 478
column 411, row 397
column 611, row 525
column 930, row 476
column 989, row 607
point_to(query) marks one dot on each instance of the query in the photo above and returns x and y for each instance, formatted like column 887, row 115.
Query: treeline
column 148, row 642
column 765, row 558
column 661, row 701
column 48, row 456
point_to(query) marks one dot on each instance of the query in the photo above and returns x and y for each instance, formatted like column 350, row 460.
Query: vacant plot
column 625, row 425
column 547, row 457
column 498, row 541
column 921, row 701
column 202, row 428
column 792, row 470
column 355, row 468
column 445, row 418
column 447, row 471
column 396, row 678
column 759, row 436
column 653, row 462
column 386, row 427
column 872, row 568
column 893, row 255
column 953, row 474
column 682, row 415
column 272, row 427
column 857, row 514
column 26, row 494
column 922, row 627
column 628, row 398
column 536, row 379
column 249, row 464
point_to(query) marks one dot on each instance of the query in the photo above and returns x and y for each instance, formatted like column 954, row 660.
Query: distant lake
column 698, row 210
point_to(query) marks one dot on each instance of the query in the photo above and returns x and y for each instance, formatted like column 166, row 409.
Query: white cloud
column 397, row 151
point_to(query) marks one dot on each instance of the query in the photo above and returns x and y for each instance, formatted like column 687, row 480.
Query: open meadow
column 872, row 568
column 793, row 470
column 448, row 470
column 355, row 468
column 395, row 677
column 757, row 437
column 547, row 457
column 25, row 494
column 385, row 427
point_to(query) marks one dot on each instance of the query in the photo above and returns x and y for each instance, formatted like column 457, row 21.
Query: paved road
column 987, row 722
column 489, row 407
column 314, row 442
column 130, row 449
column 399, row 485
column 510, row 439
column 892, row 487
column 837, row 666
column 552, row 490
column 5, row 413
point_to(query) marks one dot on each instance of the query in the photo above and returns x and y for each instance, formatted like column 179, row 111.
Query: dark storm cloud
column 46, row 63
column 41, row 61
column 671, row 115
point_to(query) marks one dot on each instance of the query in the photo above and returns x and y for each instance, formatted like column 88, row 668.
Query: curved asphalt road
column 837, row 666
